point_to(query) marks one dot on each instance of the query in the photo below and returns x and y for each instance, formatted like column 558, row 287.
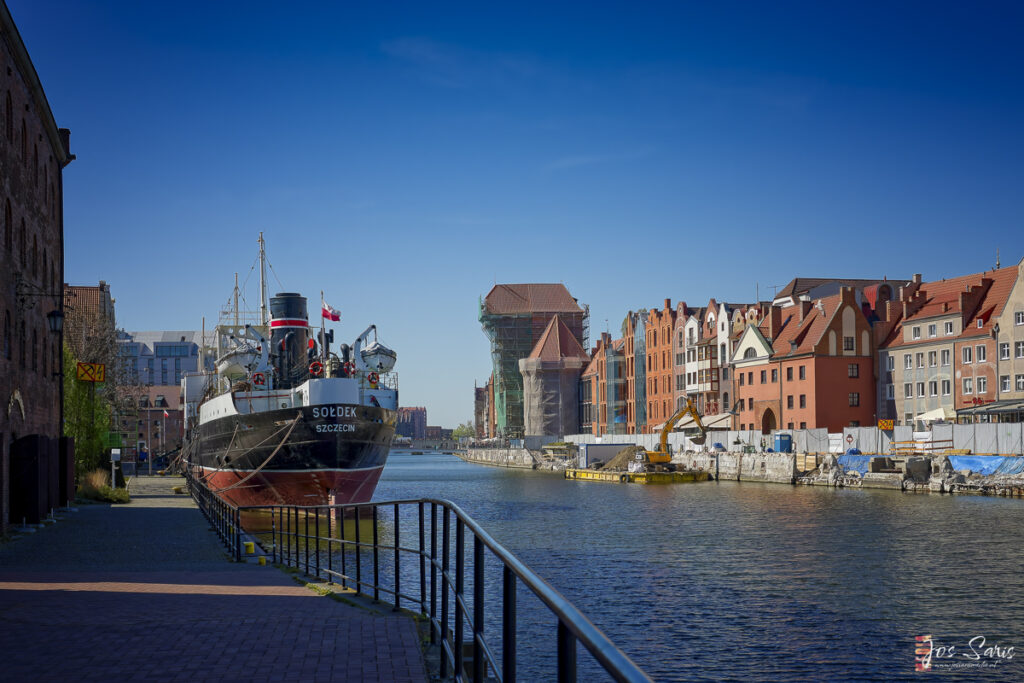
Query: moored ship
column 284, row 420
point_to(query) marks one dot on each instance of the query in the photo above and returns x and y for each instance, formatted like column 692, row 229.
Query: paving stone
column 146, row 591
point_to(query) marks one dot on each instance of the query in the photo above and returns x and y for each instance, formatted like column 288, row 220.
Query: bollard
column 263, row 560
column 250, row 547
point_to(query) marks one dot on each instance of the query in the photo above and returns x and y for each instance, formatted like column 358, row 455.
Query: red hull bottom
column 310, row 487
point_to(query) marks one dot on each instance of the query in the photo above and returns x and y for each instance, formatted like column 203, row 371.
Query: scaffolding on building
column 513, row 336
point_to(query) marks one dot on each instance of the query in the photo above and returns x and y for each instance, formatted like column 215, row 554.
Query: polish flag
column 166, row 414
column 329, row 312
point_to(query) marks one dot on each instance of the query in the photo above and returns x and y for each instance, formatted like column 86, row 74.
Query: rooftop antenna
column 997, row 258
column 236, row 299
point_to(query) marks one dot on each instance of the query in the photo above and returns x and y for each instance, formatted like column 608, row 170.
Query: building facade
column 660, row 366
column 33, row 155
column 412, row 422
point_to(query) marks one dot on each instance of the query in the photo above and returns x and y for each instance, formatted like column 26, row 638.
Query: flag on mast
column 328, row 311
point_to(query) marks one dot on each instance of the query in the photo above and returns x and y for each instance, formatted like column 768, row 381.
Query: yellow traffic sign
column 92, row 372
column 886, row 425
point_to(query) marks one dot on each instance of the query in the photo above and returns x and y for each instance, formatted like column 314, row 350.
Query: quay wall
column 519, row 458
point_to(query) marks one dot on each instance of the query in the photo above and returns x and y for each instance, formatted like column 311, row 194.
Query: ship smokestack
column 289, row 337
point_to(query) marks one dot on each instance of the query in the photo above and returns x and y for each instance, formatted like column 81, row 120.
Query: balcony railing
column 415, row 556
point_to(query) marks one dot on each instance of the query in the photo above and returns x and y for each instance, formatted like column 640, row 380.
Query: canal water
column 739, row 581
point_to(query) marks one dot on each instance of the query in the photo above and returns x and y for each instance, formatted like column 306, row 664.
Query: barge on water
column 615, row 476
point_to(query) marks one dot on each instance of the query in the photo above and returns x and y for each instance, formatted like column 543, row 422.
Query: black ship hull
column 313, row 455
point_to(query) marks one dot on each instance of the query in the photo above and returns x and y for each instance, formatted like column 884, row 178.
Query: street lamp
column 55, row 319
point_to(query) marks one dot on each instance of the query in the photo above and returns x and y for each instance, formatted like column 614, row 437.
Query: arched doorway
column 767, row 421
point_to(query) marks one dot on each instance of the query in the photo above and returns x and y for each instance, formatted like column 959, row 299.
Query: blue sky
column 404, row 157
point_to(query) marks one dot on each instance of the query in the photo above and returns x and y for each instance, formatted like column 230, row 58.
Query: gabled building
column 606, row 374
column 634, row 335
column 806, row 366
column 660, row 383
column 551, row 382
column 943, row 356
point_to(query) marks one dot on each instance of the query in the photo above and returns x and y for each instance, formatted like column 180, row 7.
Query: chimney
column 774, row 321
column 668, row 304
column 916, row 279
column 805, row 308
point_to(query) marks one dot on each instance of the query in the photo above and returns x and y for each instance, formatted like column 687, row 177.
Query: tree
column 464, row 430
column 86, row 417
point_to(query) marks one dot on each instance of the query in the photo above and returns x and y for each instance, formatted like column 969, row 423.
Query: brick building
column 660, row 381
column 606, row 375
column 33, row 154
column 412, row 422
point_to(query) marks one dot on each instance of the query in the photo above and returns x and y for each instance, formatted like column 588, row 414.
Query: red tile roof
column 942, row 297
column 557, row 342
column 530, row 298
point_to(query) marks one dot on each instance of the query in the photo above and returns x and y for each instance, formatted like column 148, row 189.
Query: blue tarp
column 855, row 463
column 987, row 464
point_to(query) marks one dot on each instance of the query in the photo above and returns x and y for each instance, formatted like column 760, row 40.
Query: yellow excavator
column 662, row 456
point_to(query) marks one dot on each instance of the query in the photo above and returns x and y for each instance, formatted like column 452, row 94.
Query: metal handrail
column 441, row 577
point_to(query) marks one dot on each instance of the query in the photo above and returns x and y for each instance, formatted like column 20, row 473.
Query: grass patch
column 96, row 486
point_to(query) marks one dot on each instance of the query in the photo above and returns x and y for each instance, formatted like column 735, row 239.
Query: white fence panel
column 986, row 439
column 963, row 437
column 1010, row 438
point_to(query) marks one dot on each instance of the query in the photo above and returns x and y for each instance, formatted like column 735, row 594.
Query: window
column 750, row 404
column 725, row 373
column 848, row 344
column 908, row 390
column 802, row 372
column 789, row 425
column 1019, row 380
column 889, row 393
column 789, row 374
column 933, row 388
column 890, row 363
column 908, row 361
column 966, row 354
column 750, row 378
column 803, row 425
column 1004, row 383
column 947, row 328
column 980, row 353
column 944, row 355
column 789, row 401
column 853, row 370
column 920, row 388
column 933, row 359
column 741, row 379
column 775, row 375
column 854, row 399
column 915, row 332
column 764, row 375
column 1004, row 351
column 932, row 330
column 908, row 418
column 982, row 385
column 1018, row 349
column 945, row 387
column 968, row 385
column 981, row 323
column 803, row 401
column 1018, row 318
column 920, row 360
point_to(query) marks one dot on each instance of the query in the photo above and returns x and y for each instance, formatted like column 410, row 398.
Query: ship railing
column 360, row 549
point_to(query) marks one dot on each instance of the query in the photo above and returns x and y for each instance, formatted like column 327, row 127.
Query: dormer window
column 981, row 323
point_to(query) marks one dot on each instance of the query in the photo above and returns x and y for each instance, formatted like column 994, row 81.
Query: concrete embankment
column 519, row 458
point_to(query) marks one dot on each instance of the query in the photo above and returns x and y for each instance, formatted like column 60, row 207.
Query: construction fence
column 977, row 439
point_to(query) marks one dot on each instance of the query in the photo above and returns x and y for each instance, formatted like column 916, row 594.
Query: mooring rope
column 269, row 457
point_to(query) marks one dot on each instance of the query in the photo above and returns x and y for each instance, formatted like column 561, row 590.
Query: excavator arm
column 662, row 455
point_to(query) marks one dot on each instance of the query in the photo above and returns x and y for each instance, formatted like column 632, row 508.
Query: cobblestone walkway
column 146, row 592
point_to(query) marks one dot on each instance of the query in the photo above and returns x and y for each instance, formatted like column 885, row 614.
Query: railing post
column 359, row 551
column 273, row 532
column 445, row 559
column 398, row 563
column 508, row 626
column 305, row 536
column 423, row 561
column 238, row 535
column 478, row 609
column 330, row 544
column 566, row 654
column 433, row 571
column 316, row 527
column 460, row 590
column 344, row 549
column 376, row 558
column 296, row 537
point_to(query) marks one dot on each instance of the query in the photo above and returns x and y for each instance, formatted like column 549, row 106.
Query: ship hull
column 313, row 455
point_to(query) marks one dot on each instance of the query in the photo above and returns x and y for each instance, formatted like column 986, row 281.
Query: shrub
column 96, row 486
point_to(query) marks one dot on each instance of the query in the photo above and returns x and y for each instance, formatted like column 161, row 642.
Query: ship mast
column 263, row 283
